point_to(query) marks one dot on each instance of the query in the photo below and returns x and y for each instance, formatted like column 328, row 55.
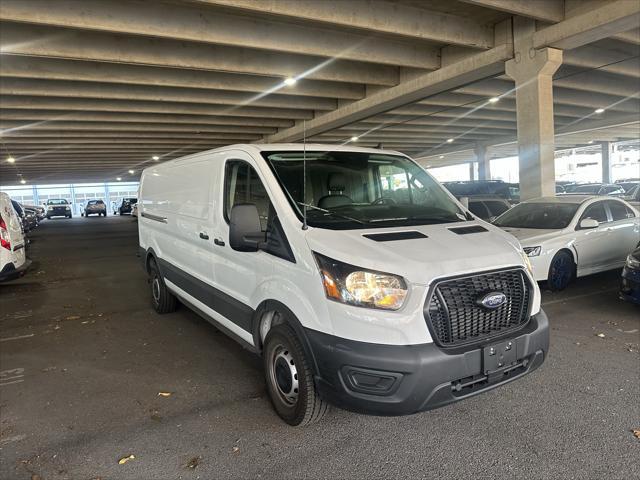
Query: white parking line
column 11, row 376
column 566, row 299
column 16, row 338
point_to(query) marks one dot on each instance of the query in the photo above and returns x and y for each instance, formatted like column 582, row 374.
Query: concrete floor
column 83, row 358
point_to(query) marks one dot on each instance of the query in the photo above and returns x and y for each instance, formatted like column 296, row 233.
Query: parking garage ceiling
column 91, row 89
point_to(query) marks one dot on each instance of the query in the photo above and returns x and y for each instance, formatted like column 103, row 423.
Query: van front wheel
column 162, row 299
column 289, row 378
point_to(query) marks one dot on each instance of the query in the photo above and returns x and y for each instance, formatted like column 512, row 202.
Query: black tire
column 285, row 364
column 561, row 271
column 162, row 299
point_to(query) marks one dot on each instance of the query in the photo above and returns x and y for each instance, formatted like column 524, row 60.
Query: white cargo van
column 13, row 260
column 358, row 278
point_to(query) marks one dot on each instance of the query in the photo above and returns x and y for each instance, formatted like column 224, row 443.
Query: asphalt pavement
column 89, row 375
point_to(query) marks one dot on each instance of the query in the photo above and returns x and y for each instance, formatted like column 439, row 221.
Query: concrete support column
column 606, row 162
column 532, row 70
column 484, row 165
column 472, row 171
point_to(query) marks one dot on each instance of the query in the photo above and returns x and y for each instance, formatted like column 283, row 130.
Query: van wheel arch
column 277, row 313
column 151, row 257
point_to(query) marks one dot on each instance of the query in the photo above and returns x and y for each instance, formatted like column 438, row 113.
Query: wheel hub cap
column 285, row 375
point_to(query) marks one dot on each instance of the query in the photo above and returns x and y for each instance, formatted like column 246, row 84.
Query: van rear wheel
column 289, row 378
column 162, row 299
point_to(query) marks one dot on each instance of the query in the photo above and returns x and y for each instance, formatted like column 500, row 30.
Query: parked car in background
column 628, row 185
column 633, row 196
column 630, row 285
column 134, row 210
column 58, row 207
column 126, row 205
column 40, row 211
column 388, row 303
column 95, row 207
column 594, row 189
column 30, row 218
column 573, row 235
column 487, row 207
column 13, row 259
column 508, row 191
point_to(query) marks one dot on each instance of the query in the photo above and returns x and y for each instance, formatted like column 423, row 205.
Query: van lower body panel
column 400, row 380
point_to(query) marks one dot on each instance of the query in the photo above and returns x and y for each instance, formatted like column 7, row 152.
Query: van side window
column 242, row 185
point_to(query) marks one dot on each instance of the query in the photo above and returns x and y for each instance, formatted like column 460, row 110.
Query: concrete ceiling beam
column 467, row 70
column 373, row 16
column 148, row 118
column 545, row 10
column 188, row 24
column 56, row 42
column 70, row 126
column 94, row 90
column 19, row 102
column 605, row 20
column 87, row 71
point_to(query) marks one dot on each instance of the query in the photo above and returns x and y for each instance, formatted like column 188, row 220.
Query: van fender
column 290, row 318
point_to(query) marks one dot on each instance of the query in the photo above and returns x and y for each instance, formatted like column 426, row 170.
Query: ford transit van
column 356, row 276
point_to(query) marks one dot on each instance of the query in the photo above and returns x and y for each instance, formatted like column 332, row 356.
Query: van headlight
column 359, row 287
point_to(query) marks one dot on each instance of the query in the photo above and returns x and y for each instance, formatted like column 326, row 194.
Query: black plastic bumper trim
column 427, row 376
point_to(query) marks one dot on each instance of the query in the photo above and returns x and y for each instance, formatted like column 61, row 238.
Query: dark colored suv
column 127, row 205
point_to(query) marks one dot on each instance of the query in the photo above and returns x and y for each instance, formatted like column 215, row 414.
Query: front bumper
column 58, row 212
column 630, row 285
column 10, row 272
column 400, row 380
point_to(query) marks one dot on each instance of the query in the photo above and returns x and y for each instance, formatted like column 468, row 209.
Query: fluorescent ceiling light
column 10, row 159
column 355, row 139
column 131, row 172
column 599, row 110
column 290, row 81
column 119, row 178
column 23, row 181
column 156, row 157
column 450, row 140
column 494, row 100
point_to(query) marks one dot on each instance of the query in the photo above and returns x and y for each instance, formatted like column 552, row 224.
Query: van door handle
column 204, row 236
column 218, row 242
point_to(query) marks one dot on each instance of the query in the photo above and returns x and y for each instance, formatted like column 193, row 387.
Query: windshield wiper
column 435, row 218
column 335, row 214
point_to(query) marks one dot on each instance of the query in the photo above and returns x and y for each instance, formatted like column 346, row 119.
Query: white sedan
column 574, row 235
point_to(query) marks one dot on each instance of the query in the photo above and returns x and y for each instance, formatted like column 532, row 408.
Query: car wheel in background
column 561, row 271
column 289, row 378
column 162, row 299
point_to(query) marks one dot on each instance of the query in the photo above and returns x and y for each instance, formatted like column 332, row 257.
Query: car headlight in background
column 633, row 262
column 360, row 287
column 527, row 262
column 532, row 251
column 50, row 207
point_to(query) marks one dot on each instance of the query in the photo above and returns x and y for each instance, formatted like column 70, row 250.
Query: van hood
column 529, row 236
column 443, row 251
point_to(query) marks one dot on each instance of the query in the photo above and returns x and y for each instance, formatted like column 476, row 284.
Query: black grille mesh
column 456, row 316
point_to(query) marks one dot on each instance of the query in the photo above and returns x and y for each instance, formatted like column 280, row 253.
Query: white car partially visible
column 574, row 235
column 13, row 260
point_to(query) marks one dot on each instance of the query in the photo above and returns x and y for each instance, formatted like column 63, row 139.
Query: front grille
column 455, row 315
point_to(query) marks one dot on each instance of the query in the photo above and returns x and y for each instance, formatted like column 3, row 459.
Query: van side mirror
column 588, row 223
column 245, row 231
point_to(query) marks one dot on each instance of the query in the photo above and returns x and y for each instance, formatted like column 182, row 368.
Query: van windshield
column 347, row 190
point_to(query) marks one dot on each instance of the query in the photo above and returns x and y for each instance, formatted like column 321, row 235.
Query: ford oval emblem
column 493, row 300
